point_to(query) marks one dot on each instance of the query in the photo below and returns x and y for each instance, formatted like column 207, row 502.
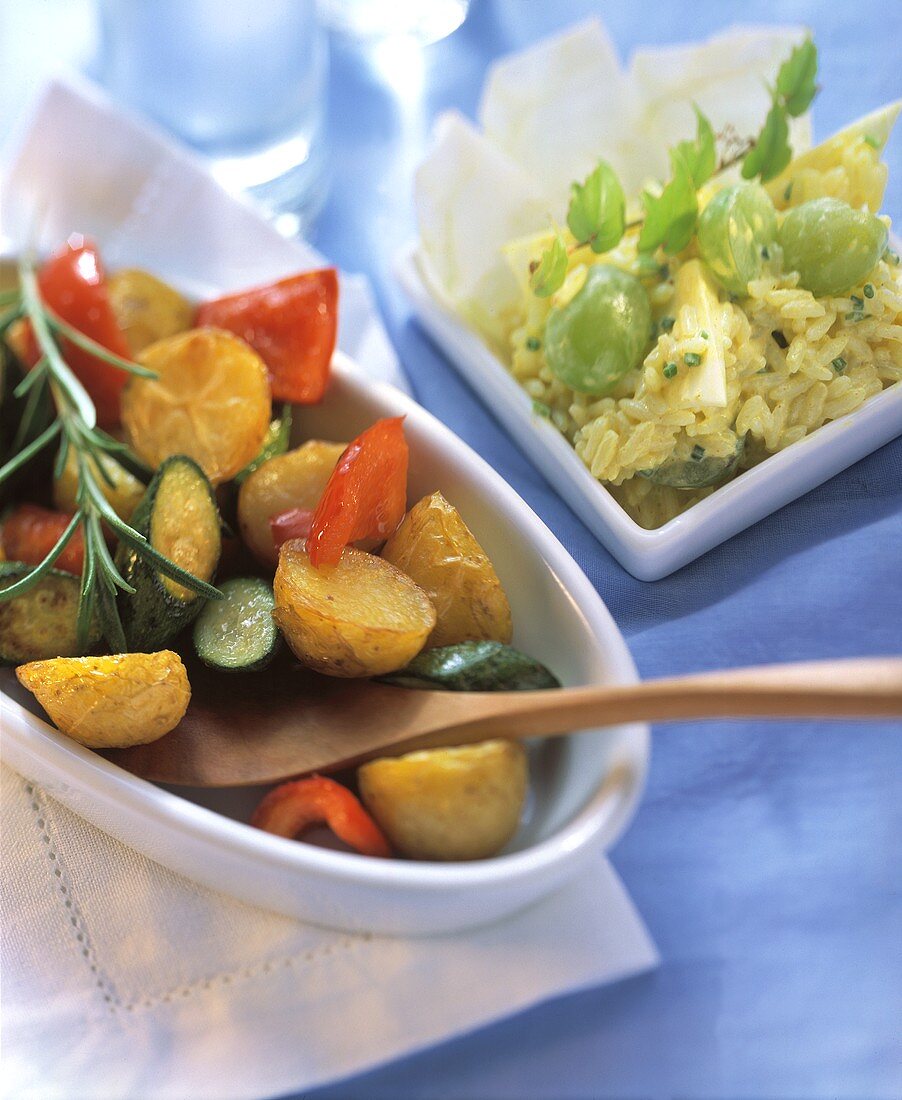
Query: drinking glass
column 422, row 21
column 241, row 81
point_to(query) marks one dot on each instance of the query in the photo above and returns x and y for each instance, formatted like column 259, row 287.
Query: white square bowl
column 649, row 555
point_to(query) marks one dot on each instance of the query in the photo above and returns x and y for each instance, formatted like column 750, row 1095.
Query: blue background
column 765, row 858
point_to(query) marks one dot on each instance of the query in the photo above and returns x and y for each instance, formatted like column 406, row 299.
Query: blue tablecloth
column 765, row 858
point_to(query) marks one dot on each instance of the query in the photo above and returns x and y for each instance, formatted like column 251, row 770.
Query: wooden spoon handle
column 857, row 688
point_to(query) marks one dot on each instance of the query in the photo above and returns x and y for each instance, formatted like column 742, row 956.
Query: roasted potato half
column 361, row 617
column 146, row 308
column 111, row 702
column 443, row 804
column 436, row 549
column 41, row 622
column 292, row 480
column 209, row 401
column 123, row 495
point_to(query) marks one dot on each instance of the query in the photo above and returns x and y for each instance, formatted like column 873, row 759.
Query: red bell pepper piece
column 366, row 494
column 73, row 284
column 293, row 524
column 291, row 808
column 291, row 324
column 30, row 533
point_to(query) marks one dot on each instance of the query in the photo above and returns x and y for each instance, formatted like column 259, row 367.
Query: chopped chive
column 541, row 409
column 857, row 303
column 667, row 323
column 692, row 359
column 533, row 343
column 664, row 271
column 856, row 315
column 891, row 256
column 869, row 290
column 872, row 141
column 704, row 334
column 670, row 370
column 779, row 339
column 787, row 194
column 839, row 364
column 698, row 453
column 765, row 253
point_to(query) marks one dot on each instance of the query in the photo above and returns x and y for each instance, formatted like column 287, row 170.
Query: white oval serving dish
column 649, row 555
column 585, row 789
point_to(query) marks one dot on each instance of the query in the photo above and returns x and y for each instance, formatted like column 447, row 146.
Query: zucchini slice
column 276, row 443
column 41, row 623
column 699, row 471
column 178, row 515
column 474, row 666
column 238, row 632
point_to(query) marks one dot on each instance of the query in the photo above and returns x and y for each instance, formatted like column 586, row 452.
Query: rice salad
column 792, row 360
column 781, row 311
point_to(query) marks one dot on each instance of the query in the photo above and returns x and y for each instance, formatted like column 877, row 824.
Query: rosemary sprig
column 97, row 350
column 75, row 427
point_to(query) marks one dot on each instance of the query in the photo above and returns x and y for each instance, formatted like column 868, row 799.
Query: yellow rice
column 776, row 394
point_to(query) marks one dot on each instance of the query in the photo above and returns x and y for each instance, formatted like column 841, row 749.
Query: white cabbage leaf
column 471, row 200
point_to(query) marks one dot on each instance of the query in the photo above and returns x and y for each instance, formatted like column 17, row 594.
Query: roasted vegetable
column 123, row 494
column 366, row 493
column 111, row 702
column 361, row 617
column 178, row 514
column 41, row 622
column 237, row 633
column 443, row 804
column 30, row 532
column 293, row 807
column 474, row 666
column 275, row 443
column 146, row 308
column 292, row 480
column 210, row 400
column 698, row 470
column 73, row 284
column 435, row 548
column 292, row 324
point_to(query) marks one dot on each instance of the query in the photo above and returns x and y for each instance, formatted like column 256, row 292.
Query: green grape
column 832, row 245
column 601, row 333
column 734, row 231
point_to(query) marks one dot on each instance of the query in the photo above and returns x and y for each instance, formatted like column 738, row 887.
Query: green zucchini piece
column 698, row 471
column 474, row 666
column 275, row 443
column 238, row 632
column 179, row 516
column 41, row 623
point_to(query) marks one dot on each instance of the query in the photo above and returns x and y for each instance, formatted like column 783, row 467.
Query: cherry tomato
column 31, row 532
column 73, row 284
column 291, row 324
column 366, row 495
column 294, row 523
column 292, row 807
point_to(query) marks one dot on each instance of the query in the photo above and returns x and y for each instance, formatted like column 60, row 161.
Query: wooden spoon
column 263, row 728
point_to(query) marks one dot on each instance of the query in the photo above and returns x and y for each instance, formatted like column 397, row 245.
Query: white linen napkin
column 121, row 978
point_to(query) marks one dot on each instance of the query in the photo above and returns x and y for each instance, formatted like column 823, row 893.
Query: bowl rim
column 600, row 821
